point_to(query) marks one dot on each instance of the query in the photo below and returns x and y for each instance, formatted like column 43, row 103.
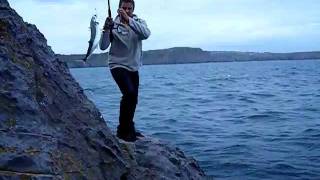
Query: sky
column 214, row 25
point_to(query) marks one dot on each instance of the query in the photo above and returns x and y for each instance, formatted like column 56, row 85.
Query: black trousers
column 128, row 83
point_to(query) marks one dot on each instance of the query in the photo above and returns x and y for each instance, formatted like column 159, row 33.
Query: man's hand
column 124, row 16
column 108, row 24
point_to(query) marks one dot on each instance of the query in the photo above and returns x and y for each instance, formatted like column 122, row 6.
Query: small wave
column 199, row 100
column 274, row 113
column 289, row 171
column 159, row 77
column 225, row 79
column 158, row 95
column 273, row 139
column 306, row 94
column 186, row 105
column 228, row 96
column 247, row 99
column 165, row 135
column 311, row 132
column 311, row 109
column 265, row 95
column 213, row 87
column 236, row 146
column 222, row 110
column 183, row 90
column 170, row 121
column 186, row 143
column 191, row 99
column 306, row 143
column 169, row 84
column 293, row 73
column 258, row 116
column 99, row 90
column 205, row 100
column 284, row 167
column 247, row 136
column 238, row 149
column 235, row 165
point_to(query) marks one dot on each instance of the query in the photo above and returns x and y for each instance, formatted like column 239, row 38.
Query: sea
column 239, row 120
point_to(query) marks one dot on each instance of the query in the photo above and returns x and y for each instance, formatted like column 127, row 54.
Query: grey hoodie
column 126, row 46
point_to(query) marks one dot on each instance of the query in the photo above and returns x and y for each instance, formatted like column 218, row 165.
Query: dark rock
column 162, row 160
column 50, row 130
column 4, row 3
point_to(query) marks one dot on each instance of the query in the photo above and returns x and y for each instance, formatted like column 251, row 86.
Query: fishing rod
column 109, row 10
column 109, row 16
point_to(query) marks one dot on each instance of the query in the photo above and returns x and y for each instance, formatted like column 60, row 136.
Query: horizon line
column 310, row 51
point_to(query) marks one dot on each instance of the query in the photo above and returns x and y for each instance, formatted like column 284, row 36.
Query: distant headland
column 182, row 55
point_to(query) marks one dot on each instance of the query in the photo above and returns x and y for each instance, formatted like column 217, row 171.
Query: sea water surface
column 240, row 120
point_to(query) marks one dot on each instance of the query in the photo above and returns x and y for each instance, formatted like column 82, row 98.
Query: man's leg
column 127, row 82
column 135, row 80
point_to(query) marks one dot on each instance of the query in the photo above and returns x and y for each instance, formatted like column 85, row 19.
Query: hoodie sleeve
column 104, row 40
column 140, row 27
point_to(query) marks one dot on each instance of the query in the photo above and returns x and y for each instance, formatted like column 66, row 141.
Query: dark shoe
column 129, row 137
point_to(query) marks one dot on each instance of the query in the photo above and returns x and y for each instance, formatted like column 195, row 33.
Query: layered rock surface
column 50, row 130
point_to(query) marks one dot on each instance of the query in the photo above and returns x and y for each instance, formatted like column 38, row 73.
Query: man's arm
column 105, row 37
column 140, row 27
column 105, row 40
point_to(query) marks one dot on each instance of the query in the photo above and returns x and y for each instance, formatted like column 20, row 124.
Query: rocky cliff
column 50, row 130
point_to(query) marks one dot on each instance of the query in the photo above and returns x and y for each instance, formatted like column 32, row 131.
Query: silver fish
column 94, row 38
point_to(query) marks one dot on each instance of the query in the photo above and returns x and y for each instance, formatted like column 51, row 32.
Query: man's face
column 128, row 7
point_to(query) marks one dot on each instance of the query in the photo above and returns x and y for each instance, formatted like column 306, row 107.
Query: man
column 125, row 34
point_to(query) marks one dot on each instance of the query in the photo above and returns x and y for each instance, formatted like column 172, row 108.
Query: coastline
column 202, row 63
column 183, row 55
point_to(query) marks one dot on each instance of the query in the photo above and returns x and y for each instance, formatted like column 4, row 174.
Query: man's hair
column 126, row 1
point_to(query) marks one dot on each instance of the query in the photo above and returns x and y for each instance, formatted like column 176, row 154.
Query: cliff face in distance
column 182, row 55
column 50, row 130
